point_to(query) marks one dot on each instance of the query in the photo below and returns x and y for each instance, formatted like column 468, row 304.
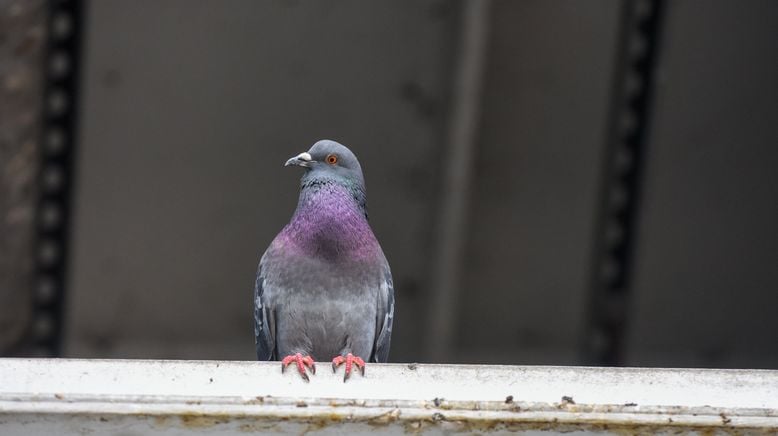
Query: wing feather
column 385, row 318
column 264, row 323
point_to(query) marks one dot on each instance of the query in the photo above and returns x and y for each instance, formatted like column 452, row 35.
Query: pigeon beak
column 301, row 160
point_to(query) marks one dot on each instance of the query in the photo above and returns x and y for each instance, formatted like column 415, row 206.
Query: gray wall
column 707, row 270
column 191, row 107
column 542, row 133
column 190, row 110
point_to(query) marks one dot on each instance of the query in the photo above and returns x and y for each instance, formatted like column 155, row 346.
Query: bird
column 323, row 287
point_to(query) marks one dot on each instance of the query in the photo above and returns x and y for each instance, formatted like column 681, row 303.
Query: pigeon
column 323, row 288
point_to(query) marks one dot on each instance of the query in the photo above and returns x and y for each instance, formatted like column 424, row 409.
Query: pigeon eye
column 332, row 159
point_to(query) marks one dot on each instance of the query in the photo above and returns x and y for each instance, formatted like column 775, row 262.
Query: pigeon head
column 330, row 162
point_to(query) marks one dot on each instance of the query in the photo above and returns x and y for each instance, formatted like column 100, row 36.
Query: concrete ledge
column 128, row 397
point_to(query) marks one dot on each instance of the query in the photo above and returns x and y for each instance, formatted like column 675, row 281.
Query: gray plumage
column 323, row 287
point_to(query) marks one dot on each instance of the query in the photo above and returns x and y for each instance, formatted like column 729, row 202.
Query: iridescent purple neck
column 330, row 222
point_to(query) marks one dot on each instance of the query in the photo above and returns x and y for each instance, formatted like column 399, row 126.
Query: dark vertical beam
column 22, row 42
column 458, row 176
column 627, row 141
column 58, row 141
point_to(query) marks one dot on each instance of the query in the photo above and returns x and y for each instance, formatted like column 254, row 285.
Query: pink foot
column 350, row 360
column 301, row 362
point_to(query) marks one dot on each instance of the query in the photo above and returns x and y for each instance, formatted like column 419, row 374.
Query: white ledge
column 67, row 396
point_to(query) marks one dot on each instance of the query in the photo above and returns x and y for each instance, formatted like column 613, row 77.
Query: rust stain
column 448, row 418
column 192, row 420
column 259, row 427
column 326, row 421
column 161, row 421
column 385, row 419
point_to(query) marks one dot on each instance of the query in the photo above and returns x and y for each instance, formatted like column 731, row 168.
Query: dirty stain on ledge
column 45, row 396
column 439, row 422
column 283, row 415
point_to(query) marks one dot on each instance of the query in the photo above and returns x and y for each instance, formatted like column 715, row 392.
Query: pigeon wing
column 385, row 317
column 264, row 319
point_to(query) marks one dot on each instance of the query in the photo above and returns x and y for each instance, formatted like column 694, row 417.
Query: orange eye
column 332, row 159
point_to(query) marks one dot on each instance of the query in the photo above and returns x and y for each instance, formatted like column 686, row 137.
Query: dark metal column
column 22, row 42
column 615, row 235
column 56, row 172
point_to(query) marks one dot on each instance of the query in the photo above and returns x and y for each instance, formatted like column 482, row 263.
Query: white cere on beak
column 302, row 159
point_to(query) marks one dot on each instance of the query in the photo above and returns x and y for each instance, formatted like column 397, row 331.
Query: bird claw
column 302, row 362
column 350, row 360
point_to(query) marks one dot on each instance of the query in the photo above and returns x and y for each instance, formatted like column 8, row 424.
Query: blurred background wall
column 189, row 109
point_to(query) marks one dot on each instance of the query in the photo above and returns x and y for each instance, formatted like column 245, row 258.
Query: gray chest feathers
column 325, row 326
